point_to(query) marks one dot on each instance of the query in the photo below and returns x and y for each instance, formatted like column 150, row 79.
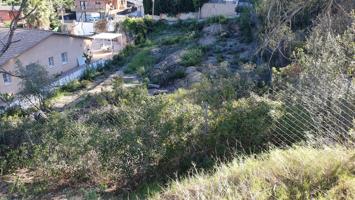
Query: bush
column 216, row 91
column 245, row 25
column 178, row 75
column 89, row 74
column 217, row 19
column 192, row 57
column 141, row 62
column 75, row 86
column 138, row 28
column 131, row 135
column 172, row 40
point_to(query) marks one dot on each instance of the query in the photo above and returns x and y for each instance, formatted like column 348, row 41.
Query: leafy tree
column 35, row 84
column 63, row 4
column 198, row 3
column 41, row 18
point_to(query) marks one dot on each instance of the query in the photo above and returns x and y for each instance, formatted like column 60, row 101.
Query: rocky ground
column 223, row 48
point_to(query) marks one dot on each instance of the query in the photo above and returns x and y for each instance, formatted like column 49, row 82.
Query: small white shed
column 107, row 42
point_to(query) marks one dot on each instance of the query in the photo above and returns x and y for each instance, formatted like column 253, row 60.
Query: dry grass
column 298, row 173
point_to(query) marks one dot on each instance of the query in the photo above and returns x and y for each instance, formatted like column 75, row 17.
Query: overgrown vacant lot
column 122, row 138
column 297, row 173
column 201, row 94
column 177, row 56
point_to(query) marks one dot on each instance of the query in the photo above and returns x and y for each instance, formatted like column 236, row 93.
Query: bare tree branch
column 8, row 40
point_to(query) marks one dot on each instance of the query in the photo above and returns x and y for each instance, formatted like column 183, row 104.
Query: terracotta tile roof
column 25, row 39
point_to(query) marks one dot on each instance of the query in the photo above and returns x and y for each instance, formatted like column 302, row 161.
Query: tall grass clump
column 297, row 173
column 140, row 62
column 192, row 57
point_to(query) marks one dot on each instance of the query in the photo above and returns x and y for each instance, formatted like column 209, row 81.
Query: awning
column 106, row 36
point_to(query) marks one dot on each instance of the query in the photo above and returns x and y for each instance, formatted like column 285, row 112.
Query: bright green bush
column 192, row 57
column 140, row 62
column 138, row 28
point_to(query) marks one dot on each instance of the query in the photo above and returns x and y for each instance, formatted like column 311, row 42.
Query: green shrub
column 216, row 91
column 131, row 135
column 217, row 19
column 172, row 40
column 189, row 25
column 220, row 58
column 192, row 57
column 178, row 75
column 75, row 86
column 245, row 25
column 138, row 28
column 89, row 74
column 181, row 39
column 140, row 62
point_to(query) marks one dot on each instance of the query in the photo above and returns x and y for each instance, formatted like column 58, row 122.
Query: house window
column 7, row 78
column 64, row 58
column 51, row 61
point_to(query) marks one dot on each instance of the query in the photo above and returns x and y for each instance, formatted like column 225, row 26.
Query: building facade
column 7, row 13
column 58, row 53
column 91, row 10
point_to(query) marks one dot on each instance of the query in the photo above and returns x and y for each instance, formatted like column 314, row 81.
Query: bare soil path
column 101, row 84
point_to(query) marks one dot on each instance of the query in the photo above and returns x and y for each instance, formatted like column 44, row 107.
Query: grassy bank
column 298, row 173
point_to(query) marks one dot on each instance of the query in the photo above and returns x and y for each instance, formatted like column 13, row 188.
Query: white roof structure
column 106, row 36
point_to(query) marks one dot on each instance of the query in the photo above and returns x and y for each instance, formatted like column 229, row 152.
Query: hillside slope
column 298, row 173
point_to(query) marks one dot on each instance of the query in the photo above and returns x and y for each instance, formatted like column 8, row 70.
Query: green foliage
column 180, row 39
column 245, row 25
column 179, row 74
column 217, row 20
column 91, row 195
column 6, row 97
column 43, row 16
column 190, row 25
column 75, row 86
column 192, row 57
column 138, row 28
column 35, row 83
column 141, row 62
column 90, row 74
column 218, row 90
column 130, row 135
column 237, row 120
column 268, row 175
column 36, row 79
column 172, row 40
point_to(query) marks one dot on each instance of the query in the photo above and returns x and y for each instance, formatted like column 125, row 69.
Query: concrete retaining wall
column 215, row 9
